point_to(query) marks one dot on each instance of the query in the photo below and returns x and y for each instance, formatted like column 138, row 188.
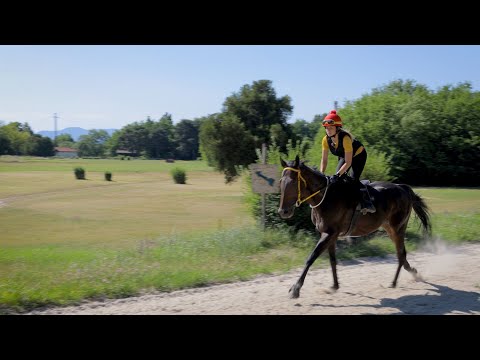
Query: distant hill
column 74, row 132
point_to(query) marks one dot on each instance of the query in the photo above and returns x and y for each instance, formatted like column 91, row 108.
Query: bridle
column 299, row 196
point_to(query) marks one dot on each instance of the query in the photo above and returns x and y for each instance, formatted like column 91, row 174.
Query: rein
column 299, row 196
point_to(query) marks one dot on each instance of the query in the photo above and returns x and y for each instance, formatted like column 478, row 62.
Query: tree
column 279, row 136
column 428, row 137
column 186, row 138
column 65, row 140
column 18, row 136
column 111, row 145
column 40, row 146
column 254, row 115
column 162, row 137
column 93, row 144
column 226, row 144
column 5, row 144
column 258, row 108
column 301, row 129
column 160, row 144
column 133, row 137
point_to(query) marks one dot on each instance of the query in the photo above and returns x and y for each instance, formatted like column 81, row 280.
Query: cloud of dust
column 445, row 260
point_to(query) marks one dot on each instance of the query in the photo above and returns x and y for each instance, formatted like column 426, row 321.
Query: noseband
column 299, row 196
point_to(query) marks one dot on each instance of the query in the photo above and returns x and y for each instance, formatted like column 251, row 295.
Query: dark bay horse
column 333, row 209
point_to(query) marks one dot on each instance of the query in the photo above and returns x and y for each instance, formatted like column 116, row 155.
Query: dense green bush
column 79, row 173
column 108, row 176
column 179, row 175
column 377, row 167
column 430, row 136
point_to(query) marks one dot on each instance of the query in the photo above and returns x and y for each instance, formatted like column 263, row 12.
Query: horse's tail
column 421, row 210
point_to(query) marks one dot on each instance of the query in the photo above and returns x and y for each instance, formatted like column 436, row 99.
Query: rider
column 351, row 153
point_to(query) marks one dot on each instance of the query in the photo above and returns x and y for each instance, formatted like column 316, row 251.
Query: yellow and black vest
column 340, row 151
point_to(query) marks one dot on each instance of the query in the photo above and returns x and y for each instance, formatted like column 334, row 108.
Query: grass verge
column 32, row 277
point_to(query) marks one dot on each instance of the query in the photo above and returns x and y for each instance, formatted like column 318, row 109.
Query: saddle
column 366, row 200
column 365, row 182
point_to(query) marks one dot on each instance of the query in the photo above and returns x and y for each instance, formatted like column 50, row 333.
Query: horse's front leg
column 319, row 249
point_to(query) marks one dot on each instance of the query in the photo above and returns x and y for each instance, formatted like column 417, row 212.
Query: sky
column 110, row 86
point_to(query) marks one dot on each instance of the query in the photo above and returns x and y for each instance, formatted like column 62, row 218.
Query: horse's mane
column 303, row 165
column 313, row 170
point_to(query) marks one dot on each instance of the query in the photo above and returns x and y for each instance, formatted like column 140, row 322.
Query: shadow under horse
column 334, row 213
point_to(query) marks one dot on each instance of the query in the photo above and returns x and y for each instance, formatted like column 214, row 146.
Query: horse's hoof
column 393, row 285
column 294, row 292
column 331, row 290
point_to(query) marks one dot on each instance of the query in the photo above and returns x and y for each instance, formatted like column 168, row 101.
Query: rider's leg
column 366, row 202
column 358, row 164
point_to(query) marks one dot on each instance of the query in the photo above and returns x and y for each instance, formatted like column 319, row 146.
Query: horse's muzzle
column 286, row 213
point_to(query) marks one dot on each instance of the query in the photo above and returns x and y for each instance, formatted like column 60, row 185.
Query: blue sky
column 102, row 86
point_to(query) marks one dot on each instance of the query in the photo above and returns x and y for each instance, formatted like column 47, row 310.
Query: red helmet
column 332, row 119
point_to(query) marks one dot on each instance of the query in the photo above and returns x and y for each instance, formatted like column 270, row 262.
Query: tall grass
column 63, row 274
column 34, row 276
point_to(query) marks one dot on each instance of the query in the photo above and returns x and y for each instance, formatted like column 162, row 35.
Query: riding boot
column 365, row 202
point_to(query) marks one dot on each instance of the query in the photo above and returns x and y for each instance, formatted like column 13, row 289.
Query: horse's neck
column 315, row 180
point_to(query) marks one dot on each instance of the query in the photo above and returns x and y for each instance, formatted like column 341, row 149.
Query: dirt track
column 451, row 286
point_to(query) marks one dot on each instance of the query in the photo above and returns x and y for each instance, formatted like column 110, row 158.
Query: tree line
column 148, row 139
column 19, row 139
column 412, row 134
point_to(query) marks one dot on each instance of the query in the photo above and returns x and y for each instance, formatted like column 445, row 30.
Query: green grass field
column 27, row 164
column 63, row 240
column 52, row 207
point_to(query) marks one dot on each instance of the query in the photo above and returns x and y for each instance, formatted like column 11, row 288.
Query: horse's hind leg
column 409, row 268
column 398, row 237
column 333, row 264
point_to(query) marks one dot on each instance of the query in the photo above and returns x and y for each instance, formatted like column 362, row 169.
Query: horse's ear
column 284, row 164
column 297, row 161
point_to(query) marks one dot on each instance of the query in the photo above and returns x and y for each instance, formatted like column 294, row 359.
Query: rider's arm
column 325, row 150
column 348, row 163
column 348, row 148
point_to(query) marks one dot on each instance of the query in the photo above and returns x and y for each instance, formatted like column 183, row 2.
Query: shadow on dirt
column 445, row 300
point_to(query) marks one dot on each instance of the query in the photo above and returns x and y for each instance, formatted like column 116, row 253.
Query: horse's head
column 289, row 187
column 298, row 184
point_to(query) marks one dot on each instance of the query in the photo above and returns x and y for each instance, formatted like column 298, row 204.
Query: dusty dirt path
column 451, row 286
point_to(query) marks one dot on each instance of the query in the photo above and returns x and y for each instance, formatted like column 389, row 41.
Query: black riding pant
column 358, row 163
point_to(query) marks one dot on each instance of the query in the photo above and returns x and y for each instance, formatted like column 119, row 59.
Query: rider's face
column 330, row 130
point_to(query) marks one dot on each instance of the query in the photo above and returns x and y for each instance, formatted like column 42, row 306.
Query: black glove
column 334, row 179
